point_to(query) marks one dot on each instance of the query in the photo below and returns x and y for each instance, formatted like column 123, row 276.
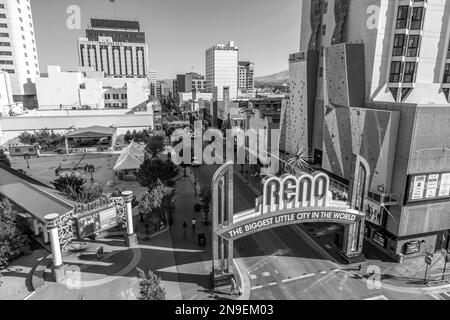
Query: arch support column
column 359, row 188
column 222, row 216
column 130, row 236
column 58, row 270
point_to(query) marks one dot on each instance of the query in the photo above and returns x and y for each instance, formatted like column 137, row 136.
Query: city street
column 284, row 263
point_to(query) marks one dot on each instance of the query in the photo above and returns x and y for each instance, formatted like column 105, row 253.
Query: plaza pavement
column 175, row 256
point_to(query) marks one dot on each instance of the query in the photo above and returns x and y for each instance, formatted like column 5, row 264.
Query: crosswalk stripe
column 446, row 293
column 436, row 297
column 298, row 278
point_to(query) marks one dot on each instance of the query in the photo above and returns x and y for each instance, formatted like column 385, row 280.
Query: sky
column 178, row 31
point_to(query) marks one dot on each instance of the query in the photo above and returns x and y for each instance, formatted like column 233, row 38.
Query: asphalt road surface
column 285, row 264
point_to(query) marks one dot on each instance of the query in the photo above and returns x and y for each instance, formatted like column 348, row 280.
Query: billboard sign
column 96, row 221
column 428, row 187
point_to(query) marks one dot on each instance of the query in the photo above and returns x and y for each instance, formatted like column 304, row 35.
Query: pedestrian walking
column 234, row 290
column 184, row 225
column 359, row 267
column 194, row 222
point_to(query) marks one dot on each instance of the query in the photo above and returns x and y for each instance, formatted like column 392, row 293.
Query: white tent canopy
column 131, row 157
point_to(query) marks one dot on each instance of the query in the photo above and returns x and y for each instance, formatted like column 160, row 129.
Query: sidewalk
column 193, row 260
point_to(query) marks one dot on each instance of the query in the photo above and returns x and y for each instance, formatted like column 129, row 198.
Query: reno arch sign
column 286, row 200
column 291, row 200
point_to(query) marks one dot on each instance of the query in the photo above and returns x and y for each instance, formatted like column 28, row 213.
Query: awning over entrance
column 36, row 199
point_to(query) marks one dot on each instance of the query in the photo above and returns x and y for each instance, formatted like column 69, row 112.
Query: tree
column 27, row 138
column 153, row 170
column 13, row 241
column 70, row 185
column 155, row 145
column 74, row 187
column 156, row 202
column 150, row 286
column 4, row 158
column 205, row 199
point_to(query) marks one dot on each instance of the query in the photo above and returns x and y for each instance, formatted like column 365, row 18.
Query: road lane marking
column 272, row 284
column 256, row 287
column 298, row 278
column 377, row 298
column 323, row 272
column 266, row 274
column 445, row 295
column 253, row 277
column 276, row 271
column 436, row 297
column 29, row 296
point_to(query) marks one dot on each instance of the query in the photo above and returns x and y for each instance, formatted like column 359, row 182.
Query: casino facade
column 376, row 84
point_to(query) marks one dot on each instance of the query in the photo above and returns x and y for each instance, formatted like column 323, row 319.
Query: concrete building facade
column 222, row 69
column 246, row 81
column 115, row 47
column 18, row 53
column 371, row 79
column 89, row 89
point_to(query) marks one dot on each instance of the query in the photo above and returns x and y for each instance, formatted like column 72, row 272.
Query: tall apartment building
column 116, row 47
column 246, row 80
column 222, row 69
column 18, row 53
column 372, row 78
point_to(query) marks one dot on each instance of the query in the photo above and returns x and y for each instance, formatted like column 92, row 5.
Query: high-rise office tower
column 115, row 47
column 18, row 53
column 372, row 79
column 222, row 69
column 246, row 81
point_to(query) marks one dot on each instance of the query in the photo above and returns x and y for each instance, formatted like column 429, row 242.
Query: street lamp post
column 27, row 157
column 91, row 170
column 446, row 259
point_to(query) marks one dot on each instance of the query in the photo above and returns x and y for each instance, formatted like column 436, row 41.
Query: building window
column 413, row 46
column 447, row 73
column 3, row 34
column 2, row 15
column 399, row 45
column 402, row 17
column 396, row 68
column 416, row 19
column 3, row 25
column 5, row 44
column 124, row 96
column 325, row 8
column 107, row 96
column 5, row 53
column 410, row 69
column 6, row 62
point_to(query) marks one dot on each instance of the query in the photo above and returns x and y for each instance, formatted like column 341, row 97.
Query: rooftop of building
column 92, row 131
column 40, row 200
column 115, row 24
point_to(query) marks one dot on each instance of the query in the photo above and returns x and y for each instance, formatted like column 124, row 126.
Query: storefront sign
column 263, row 222
column 426, row 187
column 374, row 213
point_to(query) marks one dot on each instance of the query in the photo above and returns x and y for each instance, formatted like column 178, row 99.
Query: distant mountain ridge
column 273, row 79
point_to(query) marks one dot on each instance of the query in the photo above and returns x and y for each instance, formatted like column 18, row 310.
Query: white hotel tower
column 222, row 69
column 18, row 55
